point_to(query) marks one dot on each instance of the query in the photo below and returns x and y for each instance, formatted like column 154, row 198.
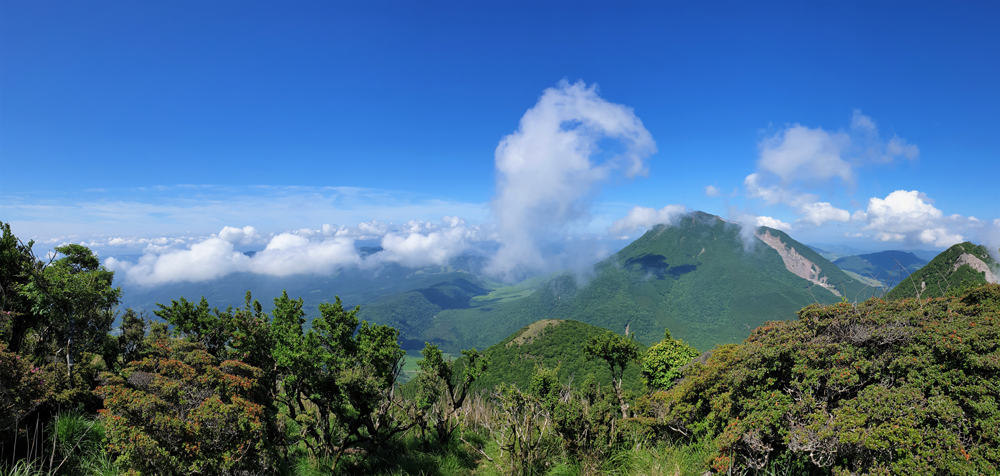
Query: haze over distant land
column 521, row 134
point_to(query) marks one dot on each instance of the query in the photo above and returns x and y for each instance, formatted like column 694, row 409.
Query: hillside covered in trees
column 700, row 278
column 877, row 387
column 956, row 269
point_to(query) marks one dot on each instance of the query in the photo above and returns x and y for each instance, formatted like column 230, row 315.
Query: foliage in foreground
column 882, row 387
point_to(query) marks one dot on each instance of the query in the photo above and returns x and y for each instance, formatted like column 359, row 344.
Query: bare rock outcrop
column 797, row 263
column 976, row 264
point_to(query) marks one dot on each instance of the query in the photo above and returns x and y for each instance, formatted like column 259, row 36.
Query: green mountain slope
column 551, row 344
column 696, row 278
column 888, row 267
column 354, row 286
column 415, row 310
column 960, row 266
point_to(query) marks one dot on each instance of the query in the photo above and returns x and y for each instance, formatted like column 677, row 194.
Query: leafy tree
column 17, row 265
column 662, row 362
column 132, row 335
column 521, row 428
column 442, row 392
column 618, row 351
column 587, row 421
column 199, row 323
column 346, row 372
column 76, row 301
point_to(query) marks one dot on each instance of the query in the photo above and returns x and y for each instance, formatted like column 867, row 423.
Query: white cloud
column 549, row 169
column 287, row 254
column 303, row 251
column 821, row 212
column 910, row 217
column 799, row 158
column 774, row 193
column 801, row 153
column 773, row 223
column 870, row 147
column 646, row 217
column 208, row 259
column 243, row 236
column 712, row 191
column 423, row 244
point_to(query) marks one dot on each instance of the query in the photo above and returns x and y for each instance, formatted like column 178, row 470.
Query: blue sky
column 132, row 122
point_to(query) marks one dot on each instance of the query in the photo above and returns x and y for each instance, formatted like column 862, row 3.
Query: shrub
column 180, row 411
column 21, row 387
column 882, row 387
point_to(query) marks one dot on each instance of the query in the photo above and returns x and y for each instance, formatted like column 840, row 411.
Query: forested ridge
column 903, row 386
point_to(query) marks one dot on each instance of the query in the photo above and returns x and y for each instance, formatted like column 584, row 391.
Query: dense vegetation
column 882, row 387
column 878, row 387
column 945, row 275
column 555, row 345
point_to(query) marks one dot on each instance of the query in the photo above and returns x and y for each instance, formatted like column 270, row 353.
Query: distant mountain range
column 887, row 267
column 698, row 278
column 702, row 279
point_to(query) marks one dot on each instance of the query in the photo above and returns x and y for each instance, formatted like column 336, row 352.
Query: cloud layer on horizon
column 304, row 251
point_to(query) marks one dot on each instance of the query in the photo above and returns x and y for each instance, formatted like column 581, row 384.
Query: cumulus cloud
column 773, row 223
column 801, row 153
column 647, row 217
column 304, row 251
column 208, row 259
column 798, row 158
column 821, row 212
column 243, row 236
column 909, row 216
column 549, row 168
column 424, row 244
column 712, row 191
column 287, row 254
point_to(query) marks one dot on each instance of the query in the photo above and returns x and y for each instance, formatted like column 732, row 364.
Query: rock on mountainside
column 958, row 267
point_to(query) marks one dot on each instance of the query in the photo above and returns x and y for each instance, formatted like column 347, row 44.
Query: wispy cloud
column 201, row 210
column 645, row 218
column 798, row 159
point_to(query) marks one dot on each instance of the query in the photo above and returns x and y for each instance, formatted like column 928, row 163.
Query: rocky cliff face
column 976, row 264
column 797, row 263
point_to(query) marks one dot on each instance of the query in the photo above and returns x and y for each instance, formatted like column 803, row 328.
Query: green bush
column 183, row 412
column 882, row 387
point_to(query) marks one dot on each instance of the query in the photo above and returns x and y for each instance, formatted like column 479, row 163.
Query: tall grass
column 70, row 444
